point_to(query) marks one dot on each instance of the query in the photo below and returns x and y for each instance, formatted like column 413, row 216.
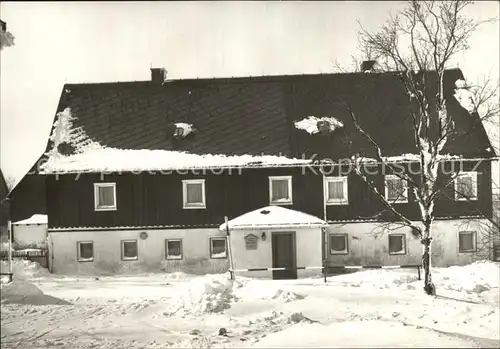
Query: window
column 467, row 241
column 397, row 244
column 193, row 191
column 218, row 248
column 338, row 244
column 173, row 249
column 466, row 186
column 396, row 189
column 336, row 191
column 85, row 251
column 104, row 196
column 129, row 250
column 280, row 190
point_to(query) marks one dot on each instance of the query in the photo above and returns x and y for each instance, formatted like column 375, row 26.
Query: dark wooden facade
column 156, row 199
column 28, row 197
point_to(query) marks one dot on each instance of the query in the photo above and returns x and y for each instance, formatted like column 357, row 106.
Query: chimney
column 367, row 66
column 158, row 75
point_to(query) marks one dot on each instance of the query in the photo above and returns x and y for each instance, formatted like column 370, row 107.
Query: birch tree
column 418, row 44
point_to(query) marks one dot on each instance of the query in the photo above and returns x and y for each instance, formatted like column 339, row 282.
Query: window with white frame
column 397, row 244
column 280, row 190
column 467, row 241
column 105, row 196
column 218, row 248
column 173, row 248
column 338, row 244
column 396, row 189
column 129, row 250
column 336, row 190
column 193, row 192
column 85, row 250
column 466, row 186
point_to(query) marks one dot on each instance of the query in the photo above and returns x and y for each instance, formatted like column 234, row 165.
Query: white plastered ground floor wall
column 63, row 256
column 368, row 244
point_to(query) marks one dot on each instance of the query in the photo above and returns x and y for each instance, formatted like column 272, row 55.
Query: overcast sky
column 97, row 41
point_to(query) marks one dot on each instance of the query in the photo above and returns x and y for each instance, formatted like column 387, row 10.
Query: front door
column 284, row 255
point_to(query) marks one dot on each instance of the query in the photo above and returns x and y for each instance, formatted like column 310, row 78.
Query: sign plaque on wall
column 251, row 242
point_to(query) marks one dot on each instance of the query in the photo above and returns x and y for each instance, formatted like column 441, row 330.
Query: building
column 30, row 232
column 28, row 196
column 4, row 206
column 141, row 175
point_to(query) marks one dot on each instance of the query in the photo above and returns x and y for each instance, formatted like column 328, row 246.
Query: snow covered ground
column 374, row 308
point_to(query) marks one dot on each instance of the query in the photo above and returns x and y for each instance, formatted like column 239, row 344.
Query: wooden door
column 284, row 255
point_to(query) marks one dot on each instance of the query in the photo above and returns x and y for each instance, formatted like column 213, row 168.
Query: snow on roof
column 90, row 156
column 404, row 158
column 273, row 217
column 35, row 219
column 464, row 96
column 310, row 124
column 64, row 132
column 117, row 160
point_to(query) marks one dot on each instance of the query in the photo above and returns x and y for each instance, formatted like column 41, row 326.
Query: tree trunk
column 426, row 241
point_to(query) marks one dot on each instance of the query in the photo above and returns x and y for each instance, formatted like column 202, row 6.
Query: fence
column 23, row 254
column 326, row 270
column 39, row 256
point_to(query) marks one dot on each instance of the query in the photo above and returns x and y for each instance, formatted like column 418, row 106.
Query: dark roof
column 254, row 115
column 4, row 190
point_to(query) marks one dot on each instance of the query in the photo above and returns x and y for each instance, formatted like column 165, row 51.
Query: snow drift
column 24, row 269
column 24, row 292
column 207, row 294
column 285, row 296
column 359, row 334
column 481, row 276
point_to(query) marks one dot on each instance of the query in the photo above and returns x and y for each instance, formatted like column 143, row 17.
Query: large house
column 143, row 175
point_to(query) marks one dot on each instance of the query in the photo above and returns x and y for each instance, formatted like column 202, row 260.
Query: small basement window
column 467, row 241
column 466, row 186
column 218, row 248
column 396, row 189
column 105, row 196
column 336, row 190
column 173, row 249
column 397, row 244
column 85, row 251
column 338, row 244
column 280, row 190
column 193, row 191
column 129, row 250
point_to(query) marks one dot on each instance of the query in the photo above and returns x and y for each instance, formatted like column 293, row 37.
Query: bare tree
column 418, row 45
column 6, row 38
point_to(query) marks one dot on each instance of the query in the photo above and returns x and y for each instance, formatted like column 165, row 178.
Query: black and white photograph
column 250, row 174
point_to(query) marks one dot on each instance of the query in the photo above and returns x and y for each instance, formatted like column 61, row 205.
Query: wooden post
column 231, row 264
column 418, row 269
column 324, row 269
column 9, row 230
column 323, row 229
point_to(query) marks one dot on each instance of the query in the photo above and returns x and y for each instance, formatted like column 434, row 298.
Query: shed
column 30, row 232
column 275, row 237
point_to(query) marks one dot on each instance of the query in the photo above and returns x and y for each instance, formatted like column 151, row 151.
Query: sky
column 72, row 42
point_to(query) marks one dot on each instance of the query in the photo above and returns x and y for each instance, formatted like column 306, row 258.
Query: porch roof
column 273, row 217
